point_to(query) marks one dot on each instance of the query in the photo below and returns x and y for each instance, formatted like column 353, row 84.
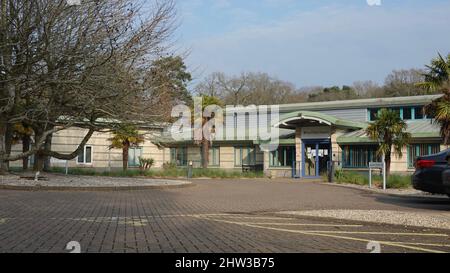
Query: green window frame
column 359, row 156
column 178, row 156
column 133, row 156
column 406, row 113
column 244, row 156
column 214, row 156
column 421, row 149
column 284, row 156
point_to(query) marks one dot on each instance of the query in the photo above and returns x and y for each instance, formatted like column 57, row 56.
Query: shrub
column 351, row 177
column 399, row 182
column 394, row 181
column 145, row 163
column 74, row 171
column 169, row 165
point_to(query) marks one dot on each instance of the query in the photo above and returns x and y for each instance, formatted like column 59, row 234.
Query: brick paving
column 213, row 216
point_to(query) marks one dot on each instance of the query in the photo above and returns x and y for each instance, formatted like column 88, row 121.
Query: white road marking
column 381, row 233
column 424, row 244
column 389, row 243
column 306, row 225
column 249, row 217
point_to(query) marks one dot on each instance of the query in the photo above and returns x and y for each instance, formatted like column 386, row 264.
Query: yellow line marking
column 334, row 236
column 306, row 225
column 3, row 220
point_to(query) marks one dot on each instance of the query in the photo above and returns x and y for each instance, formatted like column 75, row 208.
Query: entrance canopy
column 309, row 118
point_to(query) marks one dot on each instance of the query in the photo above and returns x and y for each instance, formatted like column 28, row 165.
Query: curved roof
column 360, row 103
column 417, row 129
column 318, row 117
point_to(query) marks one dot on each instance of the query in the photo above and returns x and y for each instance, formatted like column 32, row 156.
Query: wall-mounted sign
column 318, row 132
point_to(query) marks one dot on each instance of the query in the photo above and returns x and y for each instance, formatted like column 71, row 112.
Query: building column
column 336, row 151
column 298, row 149
column 266, row 159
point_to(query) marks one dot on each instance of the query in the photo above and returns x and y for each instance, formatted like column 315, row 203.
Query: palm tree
column 438, row 74
column 438, row 78
column 124, row 138
column 389, row 130
column 205, row 143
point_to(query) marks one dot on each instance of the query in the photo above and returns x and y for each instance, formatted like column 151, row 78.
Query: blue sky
column 312, row 42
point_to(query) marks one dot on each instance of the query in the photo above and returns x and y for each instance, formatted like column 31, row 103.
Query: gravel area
column 73, row 181
column 415, row 219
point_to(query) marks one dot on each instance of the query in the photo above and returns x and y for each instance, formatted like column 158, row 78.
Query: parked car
column 429, row 174
column 446, row 181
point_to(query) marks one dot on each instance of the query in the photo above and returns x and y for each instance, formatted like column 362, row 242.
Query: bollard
column 190, row 169
column 330, row 171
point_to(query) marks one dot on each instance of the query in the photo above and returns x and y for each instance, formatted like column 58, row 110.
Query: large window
column 406, row 113
column 359, row 156
column 244, row 156
column 179, row 156
column 416, row 150
column 284, row 156
column 373, row 114
column 85, row 156
column 133, row 156
column 418, row 113
column 214, row 156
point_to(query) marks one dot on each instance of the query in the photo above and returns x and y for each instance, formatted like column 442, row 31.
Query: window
column 398, row 111
column 416, row 150
column 31, row 160
column 284, row 156
column 373, row 114
column 418, row 113
column 407, row 113
column 85, row 156
column 359, row 156
column 244, row 156
column 179, row 156
column 214, row 156
column 133, row 156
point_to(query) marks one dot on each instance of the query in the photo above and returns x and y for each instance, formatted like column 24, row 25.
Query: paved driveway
column 213, row 216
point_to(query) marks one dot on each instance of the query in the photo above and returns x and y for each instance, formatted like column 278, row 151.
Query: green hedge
column 165, row 173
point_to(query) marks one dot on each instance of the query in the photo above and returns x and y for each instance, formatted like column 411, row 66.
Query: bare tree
column 368, row 89
column 404, row 83
column 210, row 86
column 83, row 65
column 235, row 90
column 265, row 90
column 247, row 88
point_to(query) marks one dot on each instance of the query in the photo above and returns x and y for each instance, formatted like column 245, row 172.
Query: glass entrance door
column 310, row 160
column 324, row 158
column 316, row 155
